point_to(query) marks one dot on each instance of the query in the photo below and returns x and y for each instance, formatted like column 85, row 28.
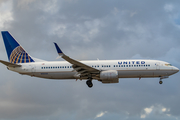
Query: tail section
column 15, row 53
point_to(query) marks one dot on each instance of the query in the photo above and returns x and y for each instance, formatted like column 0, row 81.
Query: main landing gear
column 89, row 83
column 160, row 82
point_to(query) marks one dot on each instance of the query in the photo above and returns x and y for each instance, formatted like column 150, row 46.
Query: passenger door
column 158, row 66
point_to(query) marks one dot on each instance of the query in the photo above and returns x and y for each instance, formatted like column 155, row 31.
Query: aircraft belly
column 143, row 73
column 56, row 75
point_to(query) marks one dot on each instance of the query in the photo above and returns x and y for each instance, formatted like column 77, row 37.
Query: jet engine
column 109, row 76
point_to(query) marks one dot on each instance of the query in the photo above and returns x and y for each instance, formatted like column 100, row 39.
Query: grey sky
column 91, row 29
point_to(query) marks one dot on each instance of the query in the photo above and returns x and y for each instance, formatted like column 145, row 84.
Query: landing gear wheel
column 160, row 82
column 89, row 83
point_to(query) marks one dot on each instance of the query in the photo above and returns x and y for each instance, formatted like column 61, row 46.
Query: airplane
column 105, row 71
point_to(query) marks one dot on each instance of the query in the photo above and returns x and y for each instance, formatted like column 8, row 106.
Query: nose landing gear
column 163, row 77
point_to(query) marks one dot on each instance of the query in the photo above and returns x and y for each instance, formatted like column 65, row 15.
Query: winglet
column 58, row 50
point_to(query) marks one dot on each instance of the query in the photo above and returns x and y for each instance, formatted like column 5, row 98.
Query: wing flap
column 77, row 64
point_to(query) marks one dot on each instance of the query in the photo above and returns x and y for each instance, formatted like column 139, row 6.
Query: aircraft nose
column 175, row 69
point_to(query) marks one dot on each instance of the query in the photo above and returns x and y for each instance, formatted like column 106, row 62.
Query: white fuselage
column 125, row 68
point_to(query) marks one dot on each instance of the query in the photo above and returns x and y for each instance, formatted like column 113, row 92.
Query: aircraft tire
column 89, row 83
column 160, row 82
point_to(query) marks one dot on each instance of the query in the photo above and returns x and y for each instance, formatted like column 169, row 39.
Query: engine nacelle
column 109, row 76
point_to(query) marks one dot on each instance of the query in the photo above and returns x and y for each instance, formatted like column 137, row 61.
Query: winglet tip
column 58, row 49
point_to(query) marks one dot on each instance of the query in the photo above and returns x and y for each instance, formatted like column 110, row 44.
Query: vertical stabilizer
column 15, row 53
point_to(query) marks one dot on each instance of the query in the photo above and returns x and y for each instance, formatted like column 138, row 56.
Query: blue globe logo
column 19, row 55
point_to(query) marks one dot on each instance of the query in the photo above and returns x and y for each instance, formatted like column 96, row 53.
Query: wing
column 9, row 64
column 83, row 70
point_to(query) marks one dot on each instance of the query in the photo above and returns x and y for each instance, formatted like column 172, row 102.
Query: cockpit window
column 168, row 65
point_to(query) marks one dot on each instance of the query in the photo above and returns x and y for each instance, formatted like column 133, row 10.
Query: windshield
column 168, row 65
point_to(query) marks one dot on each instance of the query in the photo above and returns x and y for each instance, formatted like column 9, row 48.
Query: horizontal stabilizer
column 9, row 64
